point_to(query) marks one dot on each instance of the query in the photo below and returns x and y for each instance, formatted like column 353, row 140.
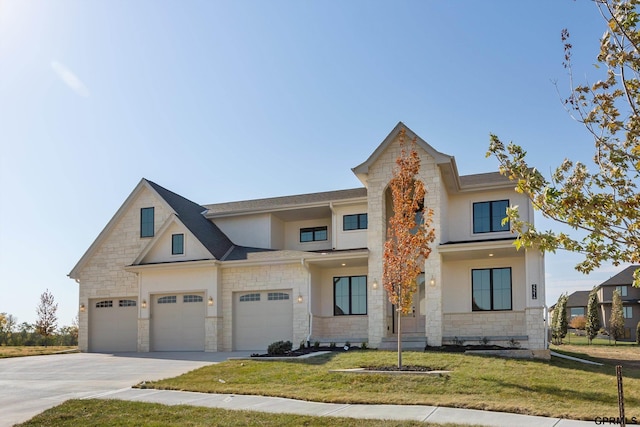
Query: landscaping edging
column 276, row 358
column 370, row 371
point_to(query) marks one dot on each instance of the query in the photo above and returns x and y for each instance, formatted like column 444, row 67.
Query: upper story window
column 349, row 295
column 623, row 290
column 177, row 244
column 354, row 222
column 313, row 234
column 146, row 222
column 577, row 311
column 488, row 216
column 627, row 312
column 491, row 289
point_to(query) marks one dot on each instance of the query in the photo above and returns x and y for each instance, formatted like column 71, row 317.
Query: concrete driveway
column 29, row 385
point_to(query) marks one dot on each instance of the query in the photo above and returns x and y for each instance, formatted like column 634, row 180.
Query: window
column 349, row 295
column 487, row 216
column 177, row 244
column 491, row 289
column 250, row 297
column 622, row 290
column 104, row 304
column 126, row 303
column 191, row 298
column 277, row 296
column 577, row 311
column 627, row 312
column 167, row 300
column 313, row 234
column 146, row 222
column 355, row 222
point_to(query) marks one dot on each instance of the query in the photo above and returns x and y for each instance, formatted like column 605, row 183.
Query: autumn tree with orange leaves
column 407, row 244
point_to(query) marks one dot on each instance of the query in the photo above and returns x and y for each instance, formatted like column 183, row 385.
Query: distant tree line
column 43, row 332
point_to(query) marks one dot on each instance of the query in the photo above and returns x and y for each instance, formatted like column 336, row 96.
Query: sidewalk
column 433, row 414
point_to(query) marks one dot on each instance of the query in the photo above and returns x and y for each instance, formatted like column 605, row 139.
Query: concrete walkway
column 421, row 413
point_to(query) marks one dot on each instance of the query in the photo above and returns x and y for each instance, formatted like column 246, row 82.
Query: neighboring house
column 576, row 305
column 169, row 274
column 622, row 281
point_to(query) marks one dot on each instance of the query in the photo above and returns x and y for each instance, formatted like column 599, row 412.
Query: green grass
column 122, row 413
column 20, row 351
column 581, row 340
column 559, row 388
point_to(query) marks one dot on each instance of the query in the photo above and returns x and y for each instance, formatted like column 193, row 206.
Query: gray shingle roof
column 625, row 277
column 578, row 299
column 285, row 201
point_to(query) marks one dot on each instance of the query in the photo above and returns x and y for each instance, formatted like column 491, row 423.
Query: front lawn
column 19, row 351
column 109, row 413
column 560, row 388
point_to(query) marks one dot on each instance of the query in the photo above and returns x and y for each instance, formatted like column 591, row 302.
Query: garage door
column 113, row 325
column 177, row 322
column 261, row 318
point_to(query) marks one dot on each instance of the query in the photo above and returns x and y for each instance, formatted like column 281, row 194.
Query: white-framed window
column 623, row 290
column 277, row 296
column 192, row 298
column 627, row 312
column 170, row 299
column 250, row 297
column 104, row 304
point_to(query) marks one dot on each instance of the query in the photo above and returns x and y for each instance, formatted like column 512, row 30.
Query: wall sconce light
column 300, row 298
column 82, row 308
column 374, row 285
column 210, row 302
column 144, row 303
column 432, row 282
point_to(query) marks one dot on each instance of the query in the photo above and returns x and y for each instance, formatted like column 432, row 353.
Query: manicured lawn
column 19, row 351
column 559, row 388
column 582, row 340
column 120, row 413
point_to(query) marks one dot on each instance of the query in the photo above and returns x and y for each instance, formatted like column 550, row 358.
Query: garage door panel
column 177, row 322
column 261, row 318
column 113, row 325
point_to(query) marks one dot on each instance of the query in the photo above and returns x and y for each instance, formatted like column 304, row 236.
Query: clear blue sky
column 232, row 100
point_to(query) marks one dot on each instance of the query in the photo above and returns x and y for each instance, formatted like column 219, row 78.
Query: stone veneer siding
column 485, row 324
column 103, row 274
column 262, row 278
column 379, row 176
column 340, row 327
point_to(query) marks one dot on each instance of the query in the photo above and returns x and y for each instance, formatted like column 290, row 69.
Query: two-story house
column 630, row 296
column 170, row 274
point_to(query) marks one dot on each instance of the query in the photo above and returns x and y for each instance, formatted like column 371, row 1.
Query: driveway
column 29, row 385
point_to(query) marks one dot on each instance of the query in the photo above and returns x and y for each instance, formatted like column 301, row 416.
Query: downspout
column 309, row 314
column 546, row 327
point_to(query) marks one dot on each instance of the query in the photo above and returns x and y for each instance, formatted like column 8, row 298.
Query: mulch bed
column 303, row 351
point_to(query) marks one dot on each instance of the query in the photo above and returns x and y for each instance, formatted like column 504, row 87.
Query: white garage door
column 113, row 325
column 261, row 318
column 177, row 322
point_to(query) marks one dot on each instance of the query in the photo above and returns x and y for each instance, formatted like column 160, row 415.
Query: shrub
column 484, row 340
column 364, row 345
column 332, row 345
column 638, row 334
column 578, row 322
column 316, row 345
column 280, row 347
column 514, row 343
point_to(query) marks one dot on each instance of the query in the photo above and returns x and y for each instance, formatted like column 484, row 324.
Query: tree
column 638, row 333
column 7, row 328
column 559, row 322
column 47, row 320
column 578, row 322
column 602, row 204
column 407, row 244
column 616, row 321
column 593, row 321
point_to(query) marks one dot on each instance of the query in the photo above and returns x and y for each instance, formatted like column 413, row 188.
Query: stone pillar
column 143, row 335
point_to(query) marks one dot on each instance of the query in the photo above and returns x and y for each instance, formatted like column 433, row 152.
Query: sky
column 233, row 100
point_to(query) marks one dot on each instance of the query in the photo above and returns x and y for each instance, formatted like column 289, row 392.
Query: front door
column 414, row 322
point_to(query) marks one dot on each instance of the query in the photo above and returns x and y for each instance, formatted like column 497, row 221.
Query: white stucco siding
column 103, row 275
column 277, row 233
column 292, row 235
column 247, row 230
column 348, row 239
column 457, row 289
column 326, row 287
column 460, row 213
column 161, row 250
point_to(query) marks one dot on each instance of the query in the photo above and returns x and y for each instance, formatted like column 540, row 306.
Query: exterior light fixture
column 343, row 264
column 490, row 254
column 210, row 302
column 300, row 298
column 432, row 282
column 144, row 303
column 82, row 308
column 374, row 285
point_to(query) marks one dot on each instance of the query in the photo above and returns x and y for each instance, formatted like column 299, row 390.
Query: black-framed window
column 488, row 216
column 177, row 244
column 491, row 289
column 146, row 222
column 349, row 295
column 313, row 234
column 355, row 222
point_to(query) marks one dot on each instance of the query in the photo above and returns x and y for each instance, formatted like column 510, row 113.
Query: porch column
column 433, row 294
